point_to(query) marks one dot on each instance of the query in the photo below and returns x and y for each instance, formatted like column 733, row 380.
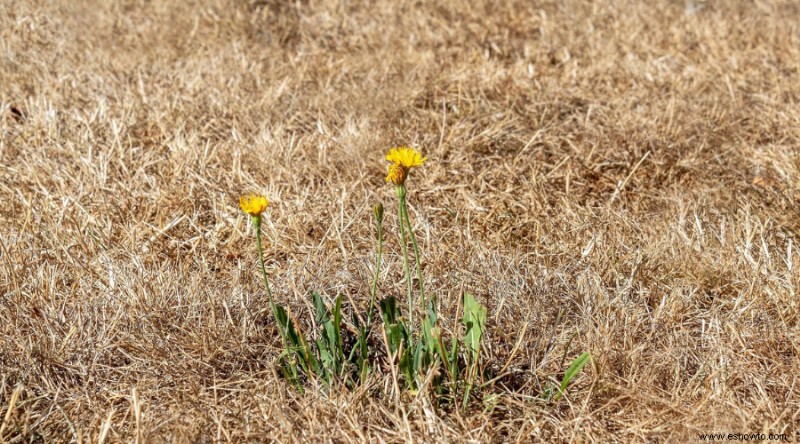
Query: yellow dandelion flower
column 253, row 204
column 405, row 156
column 403, row 159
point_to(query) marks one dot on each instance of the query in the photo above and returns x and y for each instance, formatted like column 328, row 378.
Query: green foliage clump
column 419, row 355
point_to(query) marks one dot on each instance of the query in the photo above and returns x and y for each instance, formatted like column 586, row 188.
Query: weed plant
column 420, row 356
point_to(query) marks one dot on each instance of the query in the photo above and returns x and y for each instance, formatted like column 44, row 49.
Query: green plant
column 421, row 355
column 555, row 391
column 475, row 321
column 575, row 367
column 362, row 344
column 427, row 351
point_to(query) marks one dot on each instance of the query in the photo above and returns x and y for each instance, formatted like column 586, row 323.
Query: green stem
column 416, row 250
column 365, row 330
column 377, row 274
column 281, row 328
column 401, row 195
column 257, row 223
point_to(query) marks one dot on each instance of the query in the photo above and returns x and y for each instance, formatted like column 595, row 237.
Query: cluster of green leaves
column 421, row 356
column 426, row 358
column 322, row 359
column 325, row 358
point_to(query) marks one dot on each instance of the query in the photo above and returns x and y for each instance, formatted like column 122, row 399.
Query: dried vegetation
column 619, row 177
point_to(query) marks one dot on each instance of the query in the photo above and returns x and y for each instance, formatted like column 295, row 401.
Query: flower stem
column 365, row 330
column 416, row 251
column 377, row 274
column 281, row 328
column 257, row 223
column 401, row 195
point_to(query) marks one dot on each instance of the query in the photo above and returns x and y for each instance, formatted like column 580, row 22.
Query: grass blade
column 573, row 370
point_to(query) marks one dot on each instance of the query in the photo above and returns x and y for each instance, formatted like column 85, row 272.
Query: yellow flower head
column 403, row 159
column 406, row 157
column 253, row 204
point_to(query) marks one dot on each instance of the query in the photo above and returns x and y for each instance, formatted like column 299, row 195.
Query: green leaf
column 329, row 346
column 389, row 310
column 454, row 359
column 394, row 336
column 408, row 367
column 289, row 370
column 419, row 354
column 320, row 310
column 327, row 363
column 573, row 370
column 337, row 328
column 282, row 318
column 427, row 334
column 296, row 341
column 475, row 321
column 396, row 331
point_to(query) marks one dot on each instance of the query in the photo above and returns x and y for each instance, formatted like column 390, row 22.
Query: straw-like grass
column 617, row 177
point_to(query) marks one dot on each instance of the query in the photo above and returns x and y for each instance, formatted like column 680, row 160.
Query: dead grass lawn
column 618, row 177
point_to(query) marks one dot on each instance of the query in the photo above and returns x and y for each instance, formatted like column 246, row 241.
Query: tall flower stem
column 404, row 210
column 281, row 328
column 257, row 223
column 365, row 330
column 400, row 190
column 377, row 274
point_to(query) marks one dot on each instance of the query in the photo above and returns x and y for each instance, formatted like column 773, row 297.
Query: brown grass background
column 618, row 177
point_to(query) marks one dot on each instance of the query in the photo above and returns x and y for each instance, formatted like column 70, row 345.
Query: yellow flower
column 253, row 204
column 405, row 156
column 403, row 159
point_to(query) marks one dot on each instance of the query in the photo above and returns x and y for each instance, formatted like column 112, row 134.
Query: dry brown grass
column 632, row 164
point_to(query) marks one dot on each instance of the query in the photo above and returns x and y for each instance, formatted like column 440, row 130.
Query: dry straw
column 619, row 177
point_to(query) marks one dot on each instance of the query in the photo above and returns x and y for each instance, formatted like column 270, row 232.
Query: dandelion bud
column 397, row 174
column 377, row 210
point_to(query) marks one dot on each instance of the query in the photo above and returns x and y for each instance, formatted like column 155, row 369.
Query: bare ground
column 618, row 177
